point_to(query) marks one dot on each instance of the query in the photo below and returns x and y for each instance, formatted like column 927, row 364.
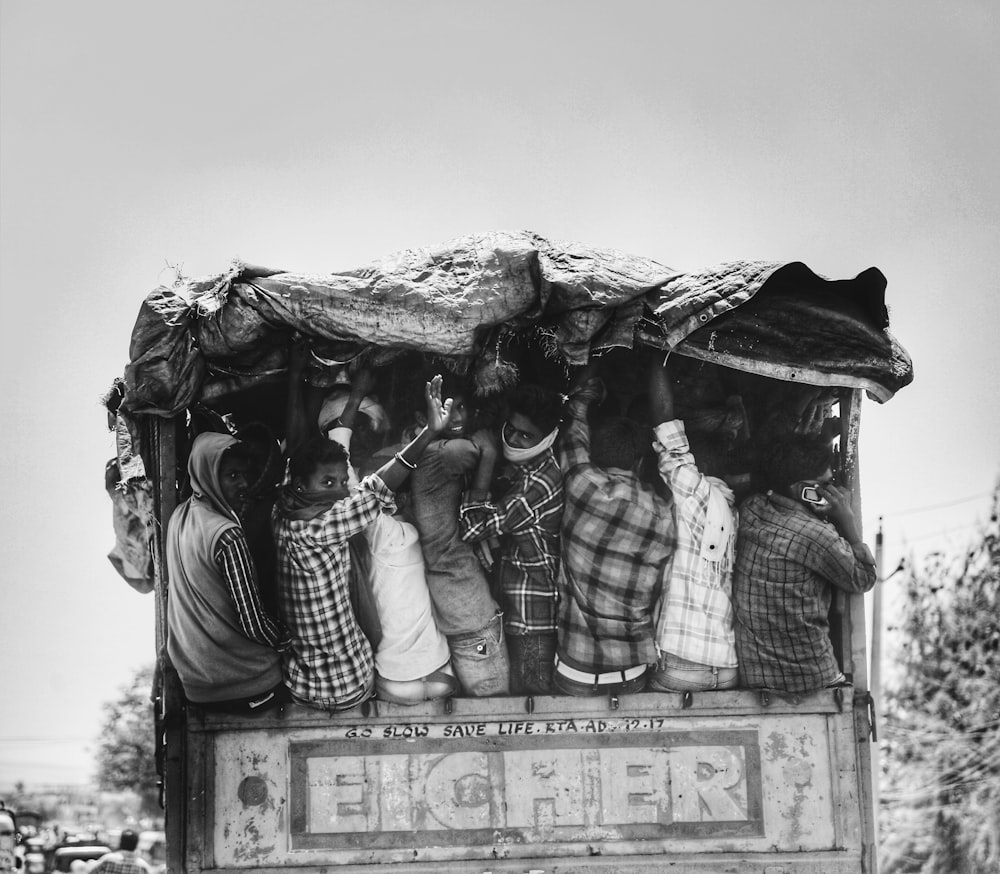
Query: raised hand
column 840, row 511
column 438, row 412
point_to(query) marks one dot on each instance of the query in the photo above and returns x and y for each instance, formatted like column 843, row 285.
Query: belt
column 592, row 679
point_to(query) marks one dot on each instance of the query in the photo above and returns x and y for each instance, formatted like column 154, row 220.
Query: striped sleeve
column 234, row 559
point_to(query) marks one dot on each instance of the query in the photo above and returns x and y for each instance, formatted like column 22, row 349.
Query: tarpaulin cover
column 234, row 328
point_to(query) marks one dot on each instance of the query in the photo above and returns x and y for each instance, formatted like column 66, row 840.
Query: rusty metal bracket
column 529, row 704
column 765, row 698
column 838, row 696
column 687, row 701
column 449, row 706
column 613, row 702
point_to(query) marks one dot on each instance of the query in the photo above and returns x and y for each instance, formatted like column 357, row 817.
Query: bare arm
column 302, row 409
column 661, row 395
column 842, row 515
column 489, row 452
column 361, row 386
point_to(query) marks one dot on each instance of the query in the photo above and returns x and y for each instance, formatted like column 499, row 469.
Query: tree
column 941, row 776
column 126, row 752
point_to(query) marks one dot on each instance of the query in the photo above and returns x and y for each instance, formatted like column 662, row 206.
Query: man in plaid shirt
column 329, row 664
column 694, row 631
column 795, row 544
column 617, row 535
column 527, row 521
column 124, row 860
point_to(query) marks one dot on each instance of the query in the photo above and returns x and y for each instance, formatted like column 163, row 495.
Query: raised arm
column 842, row 515
column 574, row 443
column 661, row 395
column 302, row 409
column 395, row 472
column 362, row 384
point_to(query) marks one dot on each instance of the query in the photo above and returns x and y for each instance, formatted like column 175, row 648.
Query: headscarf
column 203, row 468
column 523, row 456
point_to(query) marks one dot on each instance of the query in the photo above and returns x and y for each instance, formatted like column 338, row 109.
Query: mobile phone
column 811, row 495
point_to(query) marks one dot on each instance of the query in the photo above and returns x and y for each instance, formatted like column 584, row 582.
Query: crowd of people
column 541, row 554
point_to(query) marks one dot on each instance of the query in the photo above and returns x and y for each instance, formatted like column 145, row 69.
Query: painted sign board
column 429, row 789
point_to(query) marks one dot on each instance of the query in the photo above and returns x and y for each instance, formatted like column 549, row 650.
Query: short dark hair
column 617, row 442
column 794, row 458
column 314, row 452
column 128, row 841
column 541, row 406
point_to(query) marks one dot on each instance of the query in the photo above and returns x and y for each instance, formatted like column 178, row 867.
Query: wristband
column 408, row 464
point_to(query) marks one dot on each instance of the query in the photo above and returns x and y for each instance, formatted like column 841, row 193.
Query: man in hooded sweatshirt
column 220, row 640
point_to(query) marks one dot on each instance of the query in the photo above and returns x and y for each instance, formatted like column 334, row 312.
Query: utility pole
column 875, row 668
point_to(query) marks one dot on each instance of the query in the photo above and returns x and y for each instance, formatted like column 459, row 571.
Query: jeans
column 532, row 659
column 675, row 674
column 276, row 696
column 336, row 705
column 480, row 659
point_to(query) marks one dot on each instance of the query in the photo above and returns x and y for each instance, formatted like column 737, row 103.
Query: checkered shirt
column 787, row 562
column 695, row 611
column 120, row 862
column 527, row 521
column 330, row 660
column 617, row 535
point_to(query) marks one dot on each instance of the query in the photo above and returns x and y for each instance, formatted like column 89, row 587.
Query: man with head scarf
column 526, row 519
column 220, row 640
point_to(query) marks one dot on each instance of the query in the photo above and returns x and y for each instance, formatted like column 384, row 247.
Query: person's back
column 694, row 630
column 526, row 519
column 412, row 661
column 412, row 658
column 454, row 574
column 221, row 642
column 466, row 611
column 329, row 664
column 790, row 554
column 124, row 860
column 617, row 534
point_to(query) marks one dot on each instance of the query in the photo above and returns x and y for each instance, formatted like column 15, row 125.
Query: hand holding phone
column 810, row 495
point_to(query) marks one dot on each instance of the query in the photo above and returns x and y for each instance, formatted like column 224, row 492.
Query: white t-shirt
column 411, row 646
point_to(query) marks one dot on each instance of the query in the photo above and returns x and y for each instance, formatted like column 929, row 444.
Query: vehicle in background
column 64, row 857
column 34, row 856
column 9, row 860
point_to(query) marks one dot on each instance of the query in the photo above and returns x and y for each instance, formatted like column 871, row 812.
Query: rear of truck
column 728, row 781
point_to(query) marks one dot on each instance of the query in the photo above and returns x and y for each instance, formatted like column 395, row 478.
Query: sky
column 318, row 136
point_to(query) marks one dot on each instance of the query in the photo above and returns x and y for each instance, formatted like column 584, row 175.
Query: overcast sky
column 318, row 136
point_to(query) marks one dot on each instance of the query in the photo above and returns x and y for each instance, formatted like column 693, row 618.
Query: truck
column 719, row 781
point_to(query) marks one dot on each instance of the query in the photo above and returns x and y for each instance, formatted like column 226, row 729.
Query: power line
column 956, row 530
column 910, row 510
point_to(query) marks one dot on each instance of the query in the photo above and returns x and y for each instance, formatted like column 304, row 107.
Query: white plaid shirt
column 696, row 611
